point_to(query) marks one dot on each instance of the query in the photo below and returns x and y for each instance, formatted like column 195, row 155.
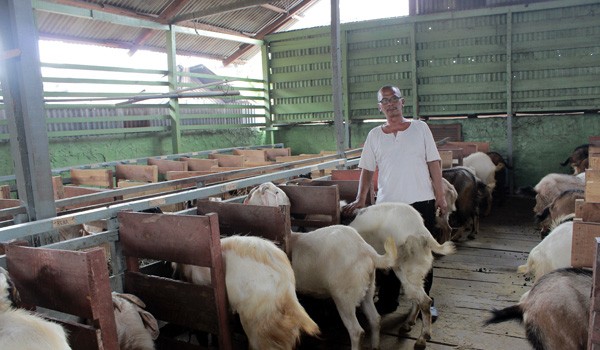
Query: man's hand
column 350, row 208
column 441, row 205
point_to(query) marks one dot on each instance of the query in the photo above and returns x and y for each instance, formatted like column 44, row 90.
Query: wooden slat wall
column 458, row 63
column 75, row 283
column 588, row 211
column 586, row 225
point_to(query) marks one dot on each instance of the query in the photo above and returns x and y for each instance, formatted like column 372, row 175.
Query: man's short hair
column 395, row 89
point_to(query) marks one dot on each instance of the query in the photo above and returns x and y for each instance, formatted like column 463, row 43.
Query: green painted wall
column 79, row 151
column 540, row 143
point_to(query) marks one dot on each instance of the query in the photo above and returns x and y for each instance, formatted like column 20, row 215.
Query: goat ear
column 133, row 299
column 150, row 323
column 247, row 199
column 116, row 303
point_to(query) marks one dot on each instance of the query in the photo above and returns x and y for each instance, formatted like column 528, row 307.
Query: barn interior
column 517, row 78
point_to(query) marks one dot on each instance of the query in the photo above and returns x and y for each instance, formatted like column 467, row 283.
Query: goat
column 555, row 312
column 136, row 328
column 20, row 329
column 578, row 160
column 267, row 194
column 443, row 222
column 551, row 186
column 261, row 289
column 501, row 176
column 470, row 192
column 336, row 262
column 415, row 245
column 485, row 170
column 562, row 205
column 553, row 252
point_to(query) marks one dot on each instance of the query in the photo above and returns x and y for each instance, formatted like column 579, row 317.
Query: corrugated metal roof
column 243, row 18
column 247, row 19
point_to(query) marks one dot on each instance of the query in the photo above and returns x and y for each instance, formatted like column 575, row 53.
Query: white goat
column 555, row 312
column 336, row 262
column 267, row 194
column 485, row 170
column 553, row 252
column 261, row 289
column 415, row 246
column 136, row 328
column 20, row 329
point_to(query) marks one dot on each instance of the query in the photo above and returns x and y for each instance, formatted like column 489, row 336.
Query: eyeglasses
column 388, row 100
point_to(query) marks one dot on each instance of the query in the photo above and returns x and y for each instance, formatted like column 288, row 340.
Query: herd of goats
column 556, row 310
column 339, row 262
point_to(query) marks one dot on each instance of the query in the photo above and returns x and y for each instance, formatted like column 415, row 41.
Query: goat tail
column 513, row 312
column 389, row 258
column 307, row 325
column 523, row 268
column 279, row 328
column 441, row 249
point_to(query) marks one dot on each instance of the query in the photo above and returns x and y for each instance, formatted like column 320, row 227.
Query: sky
column 318, row 15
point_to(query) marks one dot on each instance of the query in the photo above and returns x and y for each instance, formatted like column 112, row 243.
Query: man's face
column 390, row 103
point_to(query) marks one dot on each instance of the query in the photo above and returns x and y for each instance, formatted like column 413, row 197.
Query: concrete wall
column 79, row 151
column 540, row 143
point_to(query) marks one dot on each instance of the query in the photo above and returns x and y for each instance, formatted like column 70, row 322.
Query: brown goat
column 443, row 222
column 555, row 312
column 551, row 186
column 578, row 159
column 470, row 192
column 562, row 205
column 501, row 190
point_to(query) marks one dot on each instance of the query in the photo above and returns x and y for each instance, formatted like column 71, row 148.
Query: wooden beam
column 279, row 10
column 268, row 30
column 120, row 45
column 273, row 8
column 106, row 8
column 164, row 17
column 129, row 18
column 173, row 9
column 239, row 5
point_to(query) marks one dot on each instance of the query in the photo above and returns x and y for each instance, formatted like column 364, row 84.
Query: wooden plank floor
column 479, row 277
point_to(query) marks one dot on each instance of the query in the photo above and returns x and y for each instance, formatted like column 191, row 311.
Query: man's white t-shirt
column 402, row 162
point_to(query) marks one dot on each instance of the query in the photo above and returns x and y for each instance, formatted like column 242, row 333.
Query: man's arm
column 364, row 184
column 435, row 171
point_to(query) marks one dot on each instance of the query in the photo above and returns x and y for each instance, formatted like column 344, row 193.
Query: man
column 410, row 172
